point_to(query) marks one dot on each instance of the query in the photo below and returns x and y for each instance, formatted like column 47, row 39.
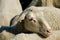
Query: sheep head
column 34, row 21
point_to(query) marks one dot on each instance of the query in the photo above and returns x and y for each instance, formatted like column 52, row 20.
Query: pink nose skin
column 49, row 31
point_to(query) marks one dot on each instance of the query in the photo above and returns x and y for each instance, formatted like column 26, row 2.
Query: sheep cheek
column 45, row 28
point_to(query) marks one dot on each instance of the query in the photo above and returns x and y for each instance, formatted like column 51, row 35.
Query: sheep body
column 33, row 36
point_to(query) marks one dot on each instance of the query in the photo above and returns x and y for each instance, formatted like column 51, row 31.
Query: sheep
column 9, row 9
column 31, row 21
column 33, row 36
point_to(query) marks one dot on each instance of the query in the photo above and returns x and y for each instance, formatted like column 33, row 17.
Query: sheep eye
column 32, row 20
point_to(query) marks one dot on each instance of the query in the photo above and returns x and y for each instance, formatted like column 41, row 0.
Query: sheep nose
column 49, row 31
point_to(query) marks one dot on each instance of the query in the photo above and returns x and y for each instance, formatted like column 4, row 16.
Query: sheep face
column 36, row 23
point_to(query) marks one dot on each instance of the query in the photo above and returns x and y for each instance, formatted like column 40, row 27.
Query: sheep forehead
column 31, row 14
column 36, row 14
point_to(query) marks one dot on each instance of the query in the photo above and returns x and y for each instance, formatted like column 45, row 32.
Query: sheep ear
column 22, row 15
column 18, row 18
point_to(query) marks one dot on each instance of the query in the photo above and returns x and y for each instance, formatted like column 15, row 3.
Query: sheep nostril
column 49, row 31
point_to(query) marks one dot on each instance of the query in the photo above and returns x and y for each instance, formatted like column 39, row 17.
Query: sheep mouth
column 50, row 33
column 42, row 35
column 45, row 35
